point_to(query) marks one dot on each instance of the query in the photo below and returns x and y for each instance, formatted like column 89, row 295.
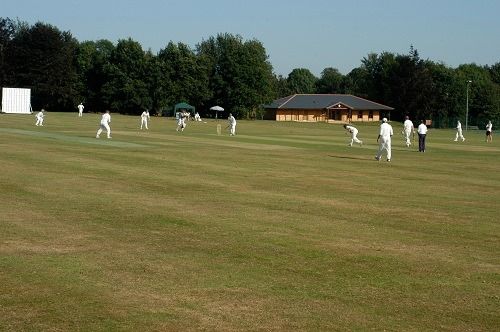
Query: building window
column 370, row 115
column 360, row 115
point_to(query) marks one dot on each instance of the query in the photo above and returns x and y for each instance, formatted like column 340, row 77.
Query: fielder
column 80, row 110
column 105, row 121
column 145, row 118
column 232, row 125
column 197, row 117
column 408, row 129
column 459, row 132
column 354, row 134
column 384, row 140
column 489, row 132
column 39, row 118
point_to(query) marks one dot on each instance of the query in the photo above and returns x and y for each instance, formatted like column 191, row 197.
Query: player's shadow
column 347, row 157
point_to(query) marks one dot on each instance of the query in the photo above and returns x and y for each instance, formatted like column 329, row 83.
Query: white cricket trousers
column 102, row 127
column 232, row 130
column 459, row 135
column 144, row 122
column 39, row 122
column 407, row 137
column 384, row 144
column 354, row 139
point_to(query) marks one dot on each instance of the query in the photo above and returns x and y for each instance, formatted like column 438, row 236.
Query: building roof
column 325, row 101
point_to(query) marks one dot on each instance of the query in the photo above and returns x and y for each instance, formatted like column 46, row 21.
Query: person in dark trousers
column 422, row 132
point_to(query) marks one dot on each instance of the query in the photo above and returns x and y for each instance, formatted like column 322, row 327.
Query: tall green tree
column 357, row 82
column 301, row 81
column 494, row 71
column 483, row 94
column 378, row 69
column 42, row 58
column 411, row 87
column 7, row 32
column 184, row 76
column 241, row 77
column 330, row 81
column 91, row 60
column 280, row 87
column 126, row 89
column 445, row 94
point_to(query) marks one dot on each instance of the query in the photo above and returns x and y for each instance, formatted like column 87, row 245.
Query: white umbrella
column 216, row 109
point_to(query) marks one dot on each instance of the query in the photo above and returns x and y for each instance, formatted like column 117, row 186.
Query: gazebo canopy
column 183, row 106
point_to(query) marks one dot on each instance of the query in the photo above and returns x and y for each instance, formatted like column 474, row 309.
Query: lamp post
column 467, row 106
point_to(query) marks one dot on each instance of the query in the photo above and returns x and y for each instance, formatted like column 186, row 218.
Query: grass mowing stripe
column 71, row 139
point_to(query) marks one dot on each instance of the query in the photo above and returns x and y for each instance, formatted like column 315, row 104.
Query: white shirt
column 39, row 115
column 408, row 125
column 386, row 130
column 351, row 129
column 106, row 118
column 232, row 120
column 80, row 108
column 459, row 126
column 489, row 126
column 145, row 115
column 422, row 129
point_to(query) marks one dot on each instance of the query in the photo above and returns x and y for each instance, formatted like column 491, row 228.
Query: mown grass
column 283, row 227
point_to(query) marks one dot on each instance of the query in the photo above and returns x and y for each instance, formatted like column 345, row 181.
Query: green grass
column 283, row 227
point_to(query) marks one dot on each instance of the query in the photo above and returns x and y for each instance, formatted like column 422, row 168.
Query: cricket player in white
column 197, row 117
column 181, row 121
column 39, row 118
column 80, row 110
column 408, row 129
column 489, row 132
column 144, row 119
column 384, row 140
column 354, row 134
column 232, row 125
column 459, row 132
column 105, row 121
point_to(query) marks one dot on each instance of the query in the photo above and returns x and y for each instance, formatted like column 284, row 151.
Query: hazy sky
column 312, row 34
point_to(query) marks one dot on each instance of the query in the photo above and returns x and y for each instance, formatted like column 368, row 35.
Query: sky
column 312, row 34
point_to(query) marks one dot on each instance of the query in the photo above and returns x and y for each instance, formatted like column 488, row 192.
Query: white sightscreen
column 15, row 100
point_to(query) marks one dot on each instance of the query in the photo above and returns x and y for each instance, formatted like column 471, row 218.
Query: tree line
column 228, row 71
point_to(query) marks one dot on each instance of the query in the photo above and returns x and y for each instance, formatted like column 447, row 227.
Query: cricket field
column 282, row 227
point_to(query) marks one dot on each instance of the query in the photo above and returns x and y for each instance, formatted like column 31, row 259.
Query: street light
column 467, row 107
